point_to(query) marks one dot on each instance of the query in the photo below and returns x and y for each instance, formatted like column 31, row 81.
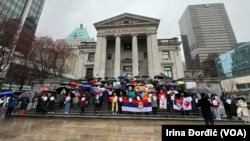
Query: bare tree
column 228, row 85
column 48, row 57
column 40, row 57
column 61, row 54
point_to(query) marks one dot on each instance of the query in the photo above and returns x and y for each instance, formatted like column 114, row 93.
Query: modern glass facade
column 234, row 63
column 12, row 13
column 206, row 32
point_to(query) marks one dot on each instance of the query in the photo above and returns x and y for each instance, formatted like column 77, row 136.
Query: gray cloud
column 60, row 17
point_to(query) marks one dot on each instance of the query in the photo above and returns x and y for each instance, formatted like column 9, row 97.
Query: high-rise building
column 233, row 68
column 206, row 32
column 18, row 22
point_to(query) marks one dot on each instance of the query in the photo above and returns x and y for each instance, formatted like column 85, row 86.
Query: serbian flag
column 182, row 103
column 134, row 105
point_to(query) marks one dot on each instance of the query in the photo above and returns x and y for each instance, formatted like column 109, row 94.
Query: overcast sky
column 60, row 17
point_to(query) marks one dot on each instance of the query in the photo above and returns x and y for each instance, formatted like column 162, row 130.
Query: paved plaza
column 85, row 129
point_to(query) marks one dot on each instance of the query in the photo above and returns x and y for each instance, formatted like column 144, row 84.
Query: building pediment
column 126, row 60
column 127, row 19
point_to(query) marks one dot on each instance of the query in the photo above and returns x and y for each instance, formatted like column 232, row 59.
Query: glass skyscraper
column 206, row 32
column 16, row 12
column 234, row 63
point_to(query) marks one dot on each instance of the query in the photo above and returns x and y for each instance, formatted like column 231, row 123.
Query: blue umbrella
column 6, row 93
column 121, row 77
column 86, row 86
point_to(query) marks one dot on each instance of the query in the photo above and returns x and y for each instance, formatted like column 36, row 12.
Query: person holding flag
column 162, row 102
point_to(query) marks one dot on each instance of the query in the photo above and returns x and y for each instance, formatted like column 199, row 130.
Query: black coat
column 24, row 103
column 51, row 104
column 205, row 105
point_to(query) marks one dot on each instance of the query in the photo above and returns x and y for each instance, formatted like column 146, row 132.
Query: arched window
column 126, row 22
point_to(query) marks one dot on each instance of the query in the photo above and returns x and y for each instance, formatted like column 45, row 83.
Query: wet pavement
column 82, row 129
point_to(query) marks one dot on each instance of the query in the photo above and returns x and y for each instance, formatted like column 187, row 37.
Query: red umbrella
column 132, row 81
column 92, row 82
column 73, row 84
column 44, row 88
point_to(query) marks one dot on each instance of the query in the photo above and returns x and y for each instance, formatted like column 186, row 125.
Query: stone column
column 103, row 57
column 155, row 53
column 150, row 56
column 117, row 63
column 135, row 55
column 97, row 63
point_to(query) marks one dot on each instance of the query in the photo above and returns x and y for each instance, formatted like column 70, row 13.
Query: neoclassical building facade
column 128, row 44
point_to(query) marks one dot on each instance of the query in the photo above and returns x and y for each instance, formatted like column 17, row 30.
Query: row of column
column 100, row 59
column 117, row 63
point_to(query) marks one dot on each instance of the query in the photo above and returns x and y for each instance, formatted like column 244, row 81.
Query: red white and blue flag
column 136, row 105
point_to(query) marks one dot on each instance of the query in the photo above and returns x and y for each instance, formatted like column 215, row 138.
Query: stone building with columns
column 128, row 44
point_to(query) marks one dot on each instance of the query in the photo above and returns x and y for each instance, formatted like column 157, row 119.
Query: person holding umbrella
column 206, row 105
column 23, row 106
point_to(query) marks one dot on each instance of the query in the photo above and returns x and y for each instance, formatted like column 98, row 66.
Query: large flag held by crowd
column 136, row 105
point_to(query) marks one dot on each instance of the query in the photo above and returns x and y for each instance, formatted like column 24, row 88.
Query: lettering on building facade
column 126, row 30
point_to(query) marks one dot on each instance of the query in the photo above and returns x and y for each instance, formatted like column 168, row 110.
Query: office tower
column 206, row 32
column 18, row 23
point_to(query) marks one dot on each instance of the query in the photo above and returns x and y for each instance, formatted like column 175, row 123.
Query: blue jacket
column 12, row 102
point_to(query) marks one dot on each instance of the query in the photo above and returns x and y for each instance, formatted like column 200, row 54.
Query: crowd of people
column 163, row 100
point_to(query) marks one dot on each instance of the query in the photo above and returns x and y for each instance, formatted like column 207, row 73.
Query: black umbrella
column 201, row 89
column 118, row 91
column 158, row 77
column 121, row 77
column 136, row 76
column 60, row 89
column 108, row 87
column 103, row 81
column 65, row 84
column 144, row 76
column 99, row 78
column 130, row 85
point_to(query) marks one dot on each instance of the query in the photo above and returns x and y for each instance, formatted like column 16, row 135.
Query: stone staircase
column 106, row 113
